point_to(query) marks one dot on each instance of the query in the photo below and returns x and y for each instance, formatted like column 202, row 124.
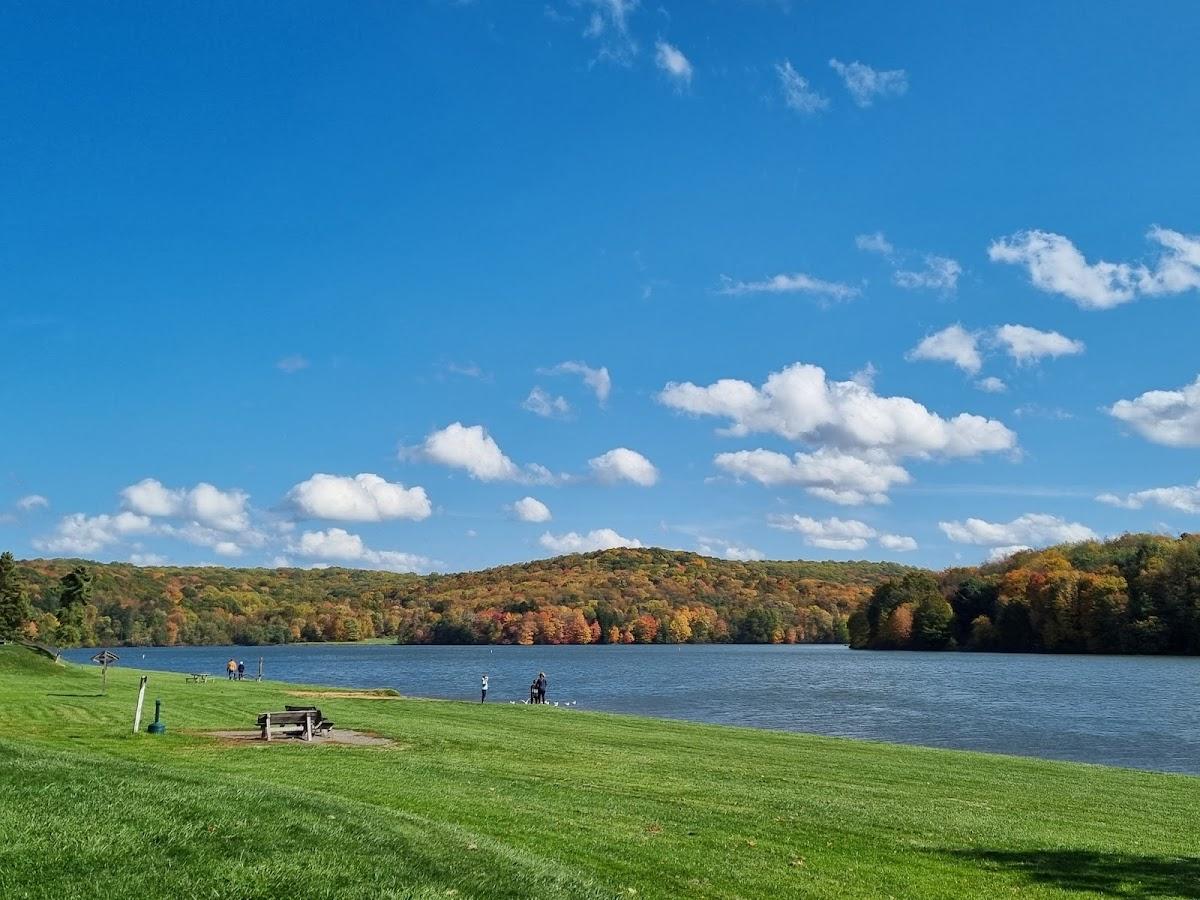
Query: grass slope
column 512, row 801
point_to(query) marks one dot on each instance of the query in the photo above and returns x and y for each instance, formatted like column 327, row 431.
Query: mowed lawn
column 516, row 801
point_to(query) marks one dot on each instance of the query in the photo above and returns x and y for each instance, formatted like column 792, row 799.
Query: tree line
column 1139, row 593
column 614, row 596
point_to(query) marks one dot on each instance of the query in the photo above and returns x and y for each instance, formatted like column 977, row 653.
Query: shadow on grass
column 1111, row 874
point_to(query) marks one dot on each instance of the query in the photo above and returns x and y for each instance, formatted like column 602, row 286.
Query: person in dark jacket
column 541, row 687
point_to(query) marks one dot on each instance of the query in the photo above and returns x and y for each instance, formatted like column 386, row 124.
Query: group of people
column 235, row 670
column 537, row 690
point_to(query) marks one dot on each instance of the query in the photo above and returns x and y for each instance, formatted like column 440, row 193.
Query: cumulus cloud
column 30, row 502
column 598, row 380
column 573, row 542
column 672, row 61
column 623, row 464
column 991, row 385
column 1025, row 344
column 548, row 406
column 204, row 503
column 1181, row 498
column 147, row 559
column 1164, row 417
column 940, row 273
column 529, row 509
column 865, row 84
column 472, row 449
column 845, row 478
column 953, row 344
column 999, row 553
column 839, row 534
column 796, row 283
column 799, row 403
column 1032, row 529
column 798, row 94
column 341, row 546
column 362, row 498
column 1056, row 266
column 79, row 534
column 725, row 550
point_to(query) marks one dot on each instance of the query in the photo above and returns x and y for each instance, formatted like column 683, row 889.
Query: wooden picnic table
column 197, row 678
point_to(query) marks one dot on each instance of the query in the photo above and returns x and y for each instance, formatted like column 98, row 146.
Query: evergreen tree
column 72, row 604
column 15, row 609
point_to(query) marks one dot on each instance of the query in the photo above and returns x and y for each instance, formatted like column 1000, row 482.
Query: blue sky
column 775, row 245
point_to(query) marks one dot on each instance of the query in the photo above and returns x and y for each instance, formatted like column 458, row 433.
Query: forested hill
column 625, row 595
column 1139, row 593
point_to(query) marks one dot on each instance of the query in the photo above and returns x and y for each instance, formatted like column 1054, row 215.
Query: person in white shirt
column 483, row 688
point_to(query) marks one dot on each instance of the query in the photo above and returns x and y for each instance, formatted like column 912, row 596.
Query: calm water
column 1126, row 711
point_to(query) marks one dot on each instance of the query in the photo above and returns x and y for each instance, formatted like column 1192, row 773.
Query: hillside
column 626, row 595
column 1138, row 593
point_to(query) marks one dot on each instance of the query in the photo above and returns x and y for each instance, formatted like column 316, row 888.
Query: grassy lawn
column 515, row 801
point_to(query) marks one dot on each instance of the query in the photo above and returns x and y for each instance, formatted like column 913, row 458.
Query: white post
column 267, row 729
column 308, row 726
column 137, row 715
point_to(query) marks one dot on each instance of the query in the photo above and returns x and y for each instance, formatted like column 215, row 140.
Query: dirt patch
column 344, row 736
column 385, row 694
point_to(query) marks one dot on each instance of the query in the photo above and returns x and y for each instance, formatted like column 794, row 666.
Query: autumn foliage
column 615, row 596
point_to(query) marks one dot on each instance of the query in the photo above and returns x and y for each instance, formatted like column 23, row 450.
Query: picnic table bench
column 298, row 721
column 197, row 678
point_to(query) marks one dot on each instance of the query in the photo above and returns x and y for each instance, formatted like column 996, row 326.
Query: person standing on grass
column 541, row 687
column 231, row 669
column 241, row 669
column 483, row 688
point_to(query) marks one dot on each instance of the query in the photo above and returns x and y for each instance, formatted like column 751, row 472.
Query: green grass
column 515, row 801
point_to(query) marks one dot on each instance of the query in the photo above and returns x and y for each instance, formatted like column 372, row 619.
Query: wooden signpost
column 104, row 659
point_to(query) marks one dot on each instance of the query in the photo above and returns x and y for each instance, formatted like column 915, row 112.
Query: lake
column 1141, row 712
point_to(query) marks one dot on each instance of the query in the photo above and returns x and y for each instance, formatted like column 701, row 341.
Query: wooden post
column 260, row 662
column 104, row 677
column 137, row 714
column 267, row 728
column 308, row 726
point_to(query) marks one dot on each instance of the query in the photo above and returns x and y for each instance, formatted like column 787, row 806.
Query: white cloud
column 798, row 95
column 79, row 534
column 147, row 559
column 227, row 548
column 623, row 464
column 940, row 274
column 898, row 542
column 998, row 553
column 1164, row 417
column 799, row 403
column 598, row 380
column 31, row 502
column 833, row 475
column 339, row 545
column 1032, row 528
column 796, row 283
column 529, row 509
column 726, row 550
column 363, row 498
column 875, row 243
column 865, row 83
column 1056, row 266
column 991, row 385
column 953, row 344
column 206, row 504
column 672, row 61
column 540, row 403
column 1025, row 344
column 609, row 25
column 830, row 534
column 471, row 448
column 1181, row 498
column 573, row 542
column 292, row 364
